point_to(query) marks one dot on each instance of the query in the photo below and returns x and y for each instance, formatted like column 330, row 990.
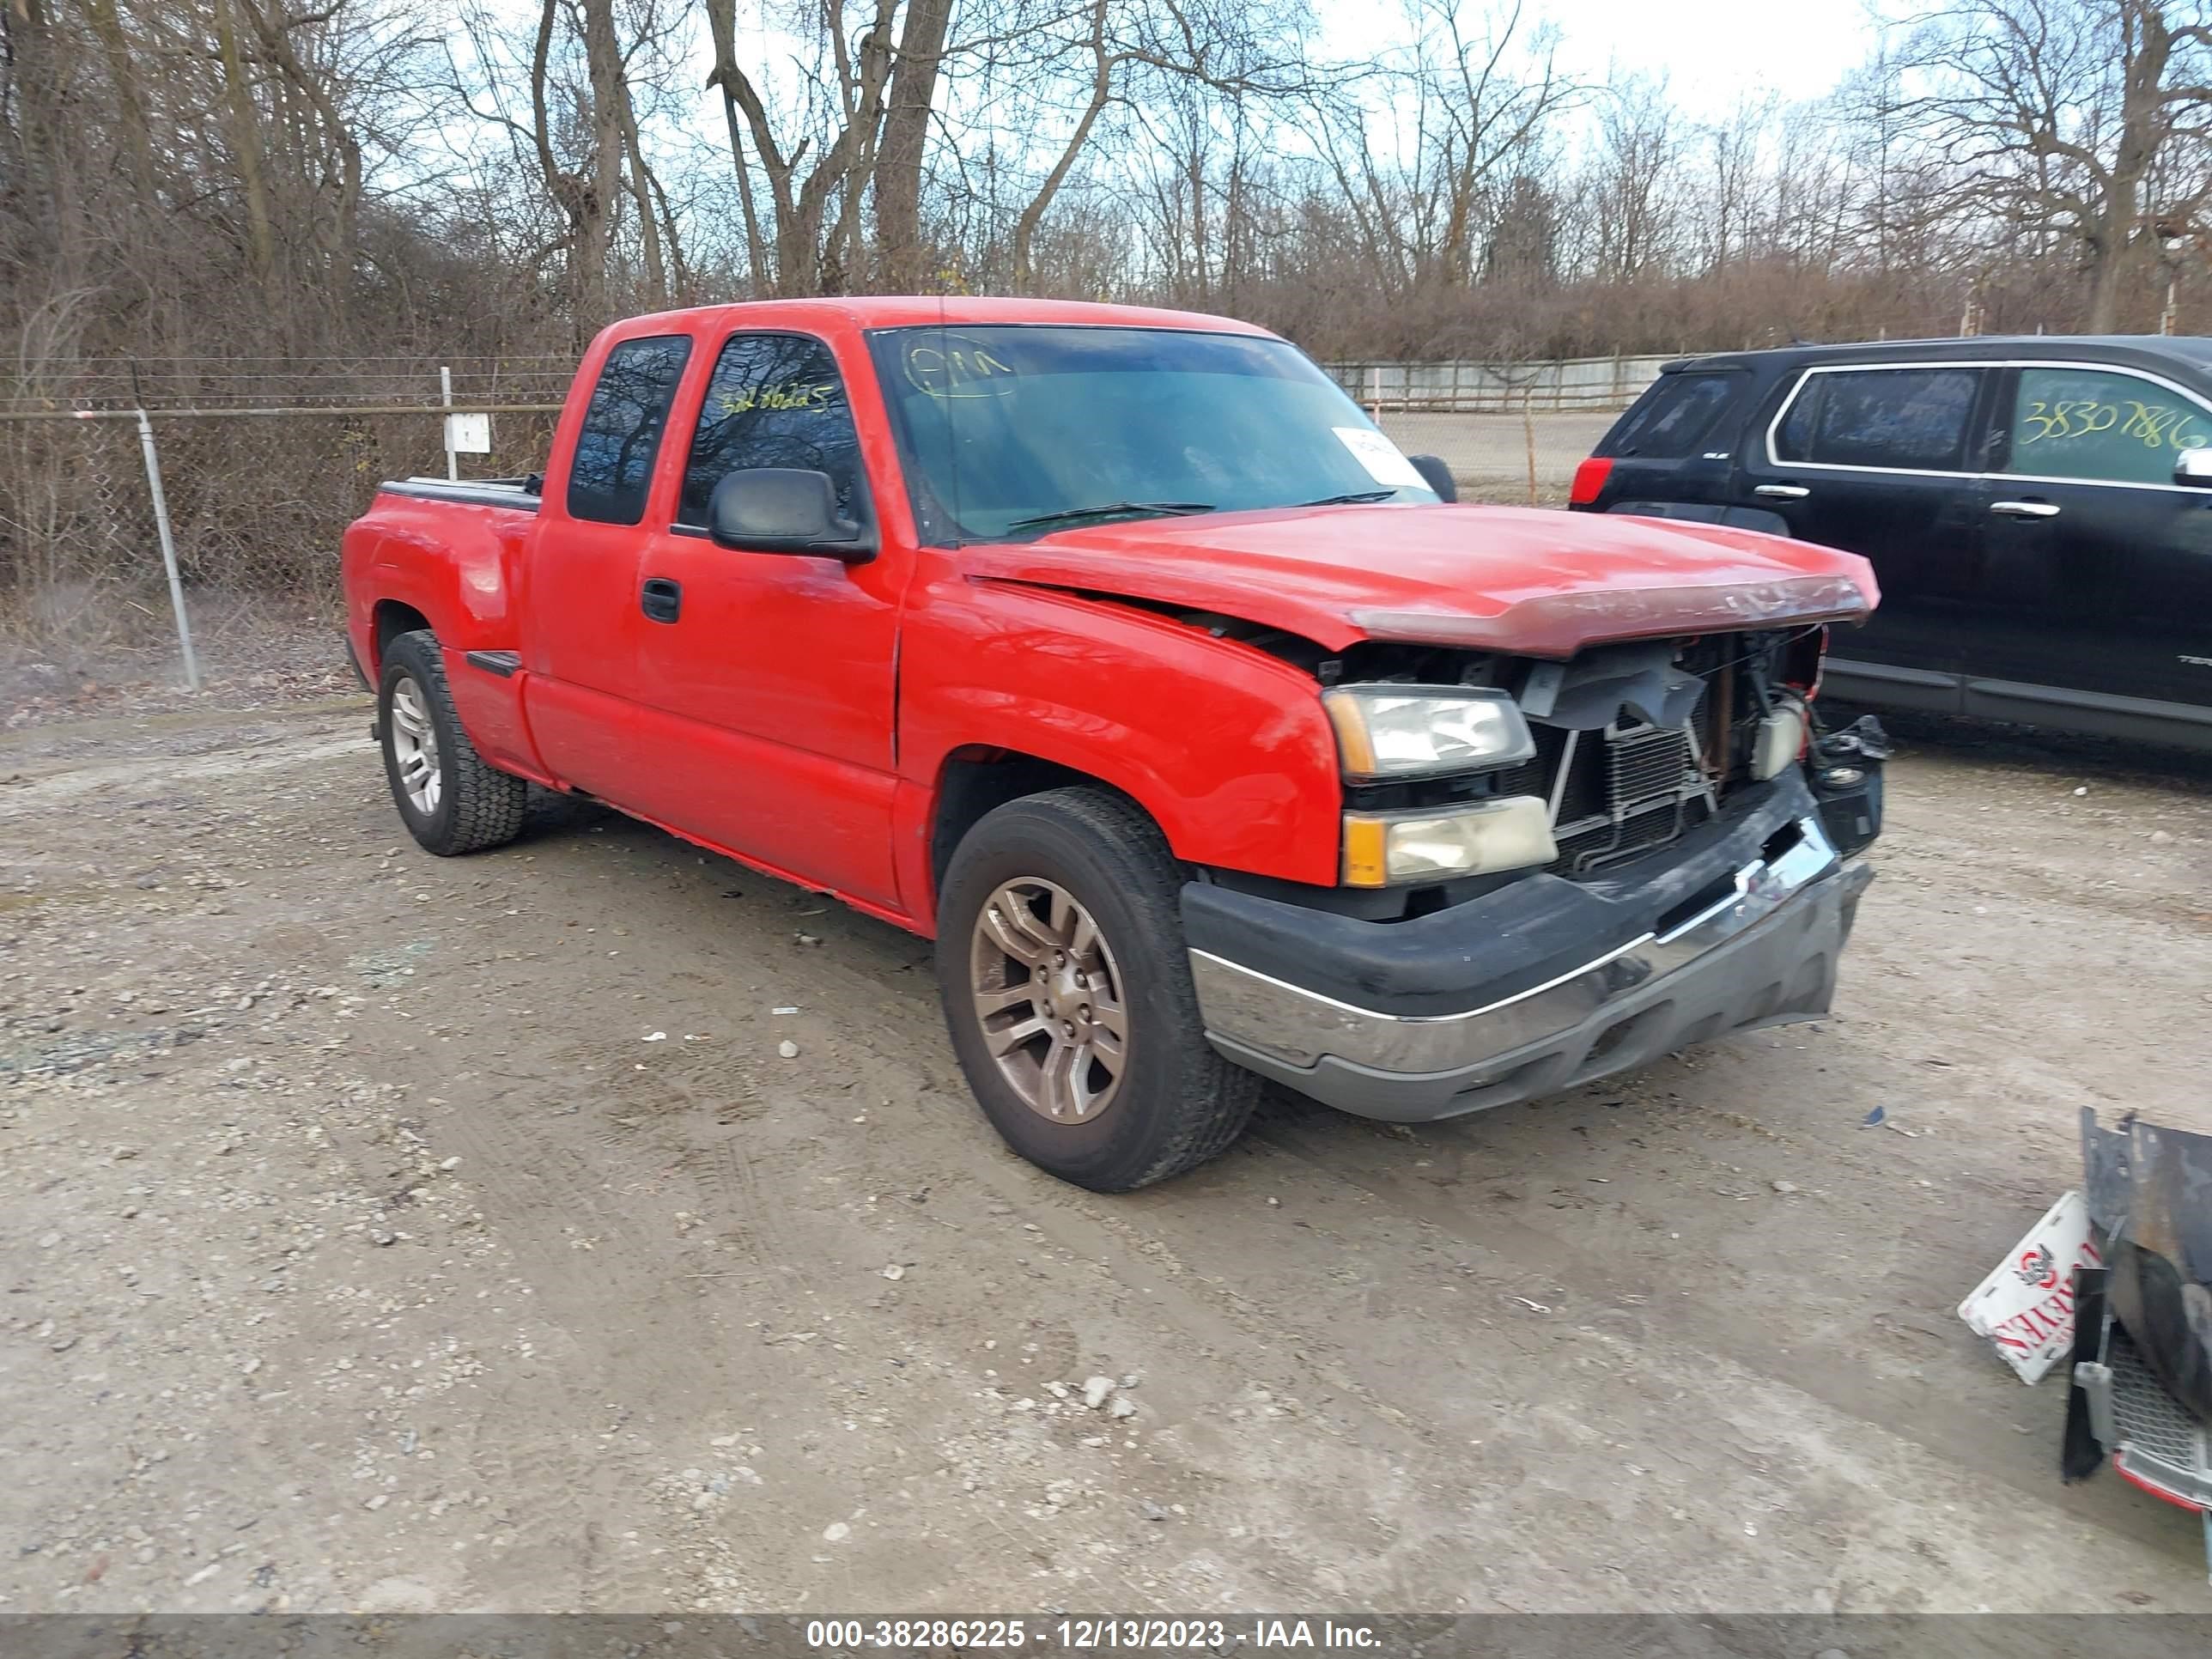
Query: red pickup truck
column 1119, row 651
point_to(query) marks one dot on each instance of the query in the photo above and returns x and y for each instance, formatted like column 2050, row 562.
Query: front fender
column 1226, row 747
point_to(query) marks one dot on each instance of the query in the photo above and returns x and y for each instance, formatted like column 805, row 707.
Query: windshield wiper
column 1352, row 497
column 1069, row 514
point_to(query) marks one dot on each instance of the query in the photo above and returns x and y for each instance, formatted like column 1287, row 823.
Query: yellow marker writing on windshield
column 956, row 365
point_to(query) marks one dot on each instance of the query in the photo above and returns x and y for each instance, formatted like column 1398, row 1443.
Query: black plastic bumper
column 1541, row 985
column 1500, row 944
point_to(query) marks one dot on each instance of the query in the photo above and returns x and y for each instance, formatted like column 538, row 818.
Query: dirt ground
column 383, row 1233
column 1491, row 454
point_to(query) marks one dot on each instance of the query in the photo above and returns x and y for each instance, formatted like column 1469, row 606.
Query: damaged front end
column 1640, row 743
column 1692, row 875
column 2142, row 1373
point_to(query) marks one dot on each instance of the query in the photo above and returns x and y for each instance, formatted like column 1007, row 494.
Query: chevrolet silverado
column 1119, row 652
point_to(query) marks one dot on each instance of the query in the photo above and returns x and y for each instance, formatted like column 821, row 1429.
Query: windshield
column 1011, row 432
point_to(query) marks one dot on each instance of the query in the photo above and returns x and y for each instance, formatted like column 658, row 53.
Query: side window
column 1906, row 420
column 1669, row 419
column 612, row 468
column 1793, row 440
column 775, row 400
column 2091, row 424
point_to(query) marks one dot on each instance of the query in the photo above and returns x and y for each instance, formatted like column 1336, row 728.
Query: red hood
column 1523, row 580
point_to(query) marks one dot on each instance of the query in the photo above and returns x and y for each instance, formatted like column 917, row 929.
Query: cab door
column 1875, row 459
column 765, row 680
column 2097, row 566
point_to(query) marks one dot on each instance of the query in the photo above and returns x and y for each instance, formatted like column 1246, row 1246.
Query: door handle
column 2025, row 509
column 662, row 600
column 1783, row 492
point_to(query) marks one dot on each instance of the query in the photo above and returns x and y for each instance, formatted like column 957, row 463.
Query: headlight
column 1383, row 850
column 1387, row 732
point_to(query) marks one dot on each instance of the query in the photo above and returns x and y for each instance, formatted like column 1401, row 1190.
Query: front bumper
column 1741, row 928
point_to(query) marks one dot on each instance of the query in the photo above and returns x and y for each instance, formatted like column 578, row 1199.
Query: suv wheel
column 1065, row 983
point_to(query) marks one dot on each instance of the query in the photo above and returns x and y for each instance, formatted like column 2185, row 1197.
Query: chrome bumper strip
column 1299, row 1027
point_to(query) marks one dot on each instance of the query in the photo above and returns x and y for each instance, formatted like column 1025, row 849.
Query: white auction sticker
column 2025, row 1306
column 1381, row 459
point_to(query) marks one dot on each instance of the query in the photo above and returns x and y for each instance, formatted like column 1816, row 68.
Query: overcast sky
column 1714, row 53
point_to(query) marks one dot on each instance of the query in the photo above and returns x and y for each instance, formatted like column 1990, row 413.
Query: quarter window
column 1668, row 420
column 1906, row 420
column 612, row 468
column 775, row 400
column 2101, row 427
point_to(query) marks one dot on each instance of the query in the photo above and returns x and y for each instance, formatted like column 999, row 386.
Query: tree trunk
column 648, row 218
column 902, row 261
column 808, row 264
column 242, row 124
column 336, row 232
column 129, row 102
column 42, row 180
column 603, row 61
column 1102, row 93
column 2147, row 49
column 722, row 20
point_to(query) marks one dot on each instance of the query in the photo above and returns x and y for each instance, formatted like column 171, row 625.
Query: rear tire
column 1108, row 1109
column 450, row 801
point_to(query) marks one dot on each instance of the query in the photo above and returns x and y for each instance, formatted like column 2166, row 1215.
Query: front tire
column 450, row 801
column 1067, row 988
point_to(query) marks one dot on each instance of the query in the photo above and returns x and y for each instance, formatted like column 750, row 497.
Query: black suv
column 2038, row 512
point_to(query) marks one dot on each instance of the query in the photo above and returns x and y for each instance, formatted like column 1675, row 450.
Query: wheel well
column 393, row 619
column 974, row 781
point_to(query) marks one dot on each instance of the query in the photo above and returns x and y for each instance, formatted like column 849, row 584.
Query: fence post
column 168, row 551
column 1528, row 431
column 446, row 388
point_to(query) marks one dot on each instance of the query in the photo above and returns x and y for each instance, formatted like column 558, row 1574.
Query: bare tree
column 2090, row 117
column 902, row 254
column 1631, row 199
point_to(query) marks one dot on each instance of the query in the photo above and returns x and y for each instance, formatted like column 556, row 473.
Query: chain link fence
column 241, row 476
column 263, row 464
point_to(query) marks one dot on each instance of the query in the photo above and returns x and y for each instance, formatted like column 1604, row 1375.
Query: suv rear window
column 1904, row 420
column 1666, row 421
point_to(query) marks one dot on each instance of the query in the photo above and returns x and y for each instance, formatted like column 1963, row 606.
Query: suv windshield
column 1016, row 431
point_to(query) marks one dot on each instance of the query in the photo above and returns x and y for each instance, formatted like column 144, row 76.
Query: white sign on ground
column 2025, row 1306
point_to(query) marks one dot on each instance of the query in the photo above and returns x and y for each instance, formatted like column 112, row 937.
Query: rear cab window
column 1890, row 420
column 611, row 470
column 1670, row 421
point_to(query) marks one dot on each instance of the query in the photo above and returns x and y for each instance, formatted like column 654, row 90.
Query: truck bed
column 523, row 494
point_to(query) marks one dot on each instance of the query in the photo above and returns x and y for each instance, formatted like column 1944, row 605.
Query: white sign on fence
column 468, row 434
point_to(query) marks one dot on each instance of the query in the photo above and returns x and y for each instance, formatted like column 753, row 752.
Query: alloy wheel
column 1049, row 1000
column 414, row 746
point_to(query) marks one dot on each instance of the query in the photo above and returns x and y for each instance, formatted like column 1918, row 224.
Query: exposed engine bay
column 1636, row 743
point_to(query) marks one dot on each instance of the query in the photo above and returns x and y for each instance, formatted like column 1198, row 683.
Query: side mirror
column 784, row 510
column 2194, row 466
column 1435, row 474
